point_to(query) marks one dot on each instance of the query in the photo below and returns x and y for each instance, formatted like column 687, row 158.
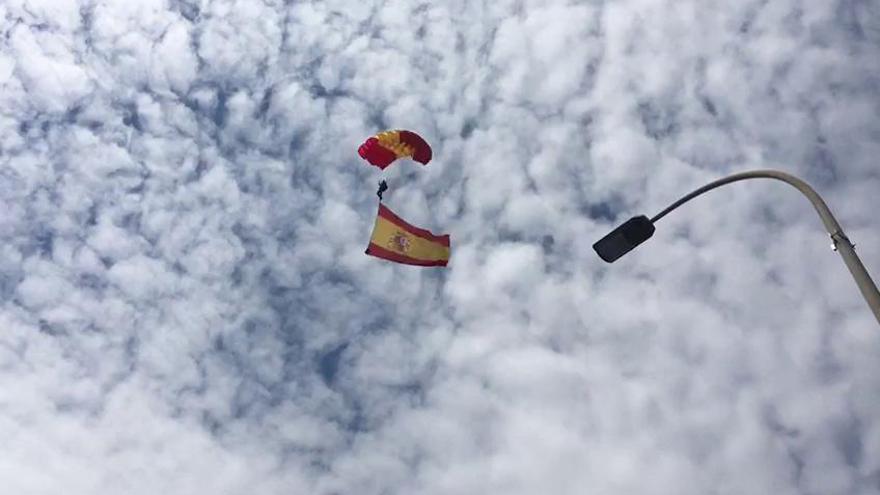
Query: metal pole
column 840, row 242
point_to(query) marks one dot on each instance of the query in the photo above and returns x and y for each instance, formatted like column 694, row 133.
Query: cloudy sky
column 186, row 307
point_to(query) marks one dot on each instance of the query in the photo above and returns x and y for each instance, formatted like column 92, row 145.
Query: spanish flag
column 395, row 240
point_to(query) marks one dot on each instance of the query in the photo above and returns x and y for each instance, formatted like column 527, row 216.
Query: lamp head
column 624, row 238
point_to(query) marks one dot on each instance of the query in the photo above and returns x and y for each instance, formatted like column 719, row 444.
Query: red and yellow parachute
column 383, row 148
column 393, row 238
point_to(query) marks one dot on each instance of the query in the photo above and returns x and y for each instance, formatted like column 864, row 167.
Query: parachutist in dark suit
column 383, row 186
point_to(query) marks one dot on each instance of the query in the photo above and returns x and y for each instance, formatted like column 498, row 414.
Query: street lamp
column 638, row 229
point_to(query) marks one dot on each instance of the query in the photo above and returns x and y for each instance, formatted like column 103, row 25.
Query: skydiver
column 383, row 186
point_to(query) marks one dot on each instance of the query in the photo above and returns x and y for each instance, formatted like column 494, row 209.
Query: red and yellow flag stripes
column 395, row 240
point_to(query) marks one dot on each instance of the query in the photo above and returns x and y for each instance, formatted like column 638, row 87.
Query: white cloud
column 185, row 305
column 47, row 67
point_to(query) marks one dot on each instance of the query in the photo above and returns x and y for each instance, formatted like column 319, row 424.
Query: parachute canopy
column 383, row 148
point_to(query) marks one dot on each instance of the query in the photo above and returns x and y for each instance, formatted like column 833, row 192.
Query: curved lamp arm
column 841, row 242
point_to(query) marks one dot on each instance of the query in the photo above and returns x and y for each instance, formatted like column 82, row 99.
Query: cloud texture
column 185, row 306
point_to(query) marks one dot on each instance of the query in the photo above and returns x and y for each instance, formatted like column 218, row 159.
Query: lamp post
column 638, row 229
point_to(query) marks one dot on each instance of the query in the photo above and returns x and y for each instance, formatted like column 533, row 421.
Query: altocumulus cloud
column 186, row 307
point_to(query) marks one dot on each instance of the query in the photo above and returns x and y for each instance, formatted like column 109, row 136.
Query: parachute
column 393, row 238
column 386, row 147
